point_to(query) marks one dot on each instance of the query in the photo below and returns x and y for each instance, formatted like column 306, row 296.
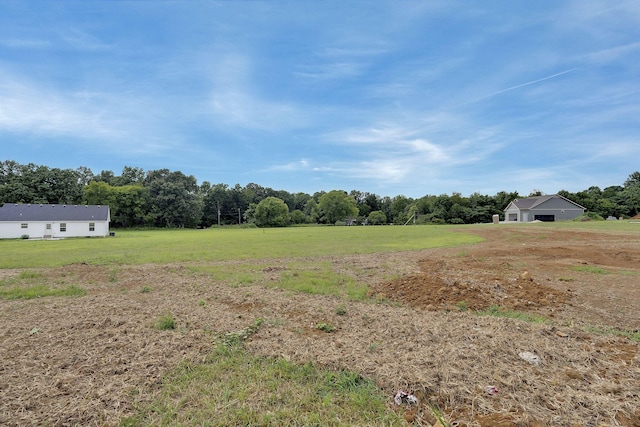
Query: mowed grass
column 167, row 246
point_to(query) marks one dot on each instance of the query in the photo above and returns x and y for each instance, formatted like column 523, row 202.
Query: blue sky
column 389, row 97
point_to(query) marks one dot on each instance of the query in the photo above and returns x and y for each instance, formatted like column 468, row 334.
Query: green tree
column 377, row 218
column 217, row 200
column 271, row 212
column 298, row 217
column 131, row 205
column 630, row 195
column 300, row 200
column 400, row 209
column 336, row 206
column 312, row 211
column 130, row 176
column 633, row 180
column 631, row 198
column 175, row 200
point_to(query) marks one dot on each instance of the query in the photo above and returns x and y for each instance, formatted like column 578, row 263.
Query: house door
column 47, row 233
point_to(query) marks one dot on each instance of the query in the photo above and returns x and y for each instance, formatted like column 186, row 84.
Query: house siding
column 530, row 209
column 36, row 217
column 560, row 208
column 512, row 214
column 38, row 229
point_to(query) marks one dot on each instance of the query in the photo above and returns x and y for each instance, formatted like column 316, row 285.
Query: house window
column 24, row 225
column 63, row 227
column 92, row 226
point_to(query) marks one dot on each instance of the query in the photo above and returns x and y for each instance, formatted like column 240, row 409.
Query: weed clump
column 235, row 338
column 166, row 322
column 325, row 327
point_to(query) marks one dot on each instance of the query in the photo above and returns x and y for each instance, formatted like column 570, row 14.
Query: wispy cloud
column 611, row 54
column 25, row 43
column 299, row 165
column 235, row 101
column 341, row 61
column 81, row 39
column 395, row 153
column 92, row 118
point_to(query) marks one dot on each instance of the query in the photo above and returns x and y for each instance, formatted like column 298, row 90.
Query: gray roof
column 532, row 202
column 28, row 212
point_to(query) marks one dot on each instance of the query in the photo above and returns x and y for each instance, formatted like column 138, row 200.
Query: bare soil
column 90, row 360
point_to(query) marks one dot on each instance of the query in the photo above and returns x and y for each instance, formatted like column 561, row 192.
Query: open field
column 175, row 328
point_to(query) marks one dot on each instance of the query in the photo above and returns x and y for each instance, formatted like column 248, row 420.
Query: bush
column 377, row 217
column 589, row 216
column 272, row 212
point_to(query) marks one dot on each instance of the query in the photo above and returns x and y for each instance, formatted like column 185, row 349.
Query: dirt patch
column 584, row 277
column 90, row 360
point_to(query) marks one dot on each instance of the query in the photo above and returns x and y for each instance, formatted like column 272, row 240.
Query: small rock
column 532, row 358
column 526, row 276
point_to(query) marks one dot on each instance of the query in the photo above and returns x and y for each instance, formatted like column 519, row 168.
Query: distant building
column 542, row 208
column 37, row 221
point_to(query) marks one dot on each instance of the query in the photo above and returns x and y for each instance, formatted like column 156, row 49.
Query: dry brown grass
column 91, row 360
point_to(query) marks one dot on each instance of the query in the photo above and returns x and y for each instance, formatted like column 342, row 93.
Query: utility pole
column 218, row 203
column 239, row 216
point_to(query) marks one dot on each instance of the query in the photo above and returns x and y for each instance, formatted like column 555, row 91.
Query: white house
column 552, row 207
column 53, row 221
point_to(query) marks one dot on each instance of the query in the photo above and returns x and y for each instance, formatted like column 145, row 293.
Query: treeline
column 162, row 198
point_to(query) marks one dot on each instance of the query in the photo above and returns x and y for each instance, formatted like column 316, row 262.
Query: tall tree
column 100, row 193
column 175, row 200
column 633, row 180
column 337, row 205
column 271, row 212
column 132, row 205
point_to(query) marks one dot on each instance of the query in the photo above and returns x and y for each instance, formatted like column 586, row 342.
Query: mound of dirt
column 446, row 285
column 574, row 276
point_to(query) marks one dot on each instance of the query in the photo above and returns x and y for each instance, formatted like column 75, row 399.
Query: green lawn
column 164, row 246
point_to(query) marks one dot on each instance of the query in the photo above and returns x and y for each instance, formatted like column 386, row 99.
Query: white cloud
column 606, row 56
column 127, row 122
column 291, row 167
column 82, row 40
column 24, row 43
column 235, row 101
column 398, row 154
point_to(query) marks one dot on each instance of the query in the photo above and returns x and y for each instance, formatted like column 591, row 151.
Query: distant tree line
column 162, row 198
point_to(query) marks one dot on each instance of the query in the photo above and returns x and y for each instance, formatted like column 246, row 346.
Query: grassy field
column 166, row 246
column 232, row 386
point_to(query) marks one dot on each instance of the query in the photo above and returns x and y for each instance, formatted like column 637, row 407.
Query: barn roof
column 36, row 212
